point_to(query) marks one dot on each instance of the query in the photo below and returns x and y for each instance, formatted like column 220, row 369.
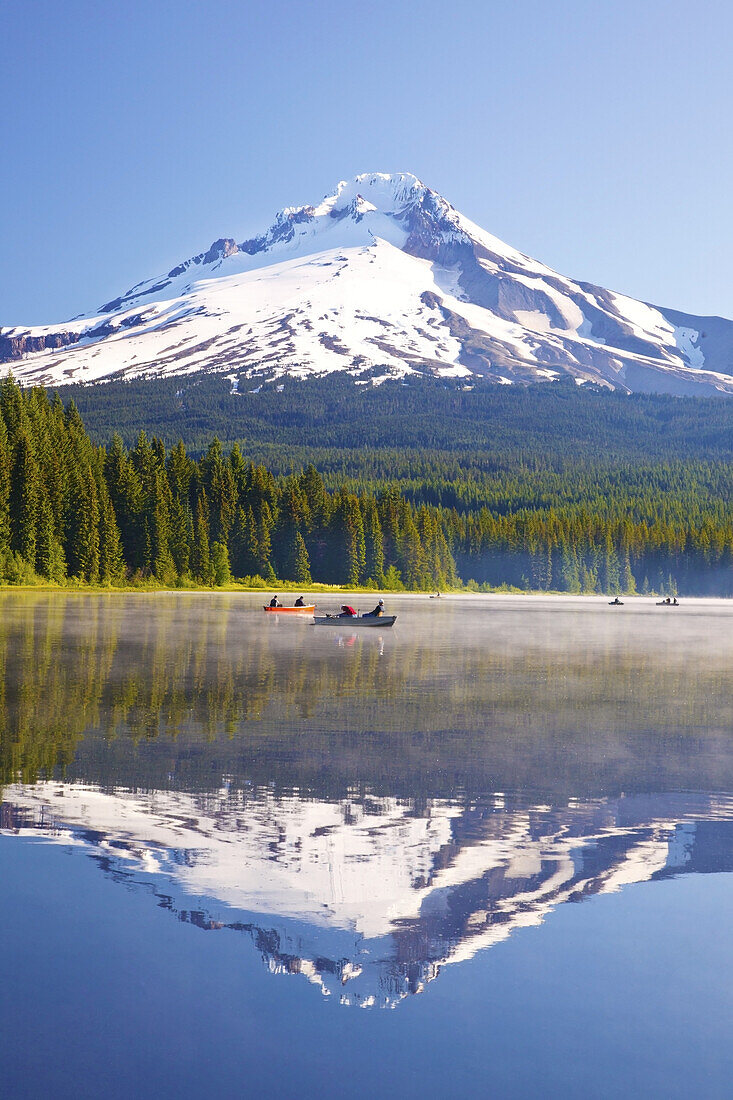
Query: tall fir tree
column 301, row 562
column 82, row 536
column 373, row 544
column 24, row 499
column 111, row 560
column 200, row 554
column 5, row 476
column 49, row 561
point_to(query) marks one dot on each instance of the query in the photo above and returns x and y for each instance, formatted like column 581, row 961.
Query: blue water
column 221, row 888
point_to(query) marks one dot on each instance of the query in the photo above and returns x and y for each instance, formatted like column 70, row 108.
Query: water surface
column 488, row 851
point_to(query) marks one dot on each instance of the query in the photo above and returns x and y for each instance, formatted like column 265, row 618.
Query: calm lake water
column 486, row 853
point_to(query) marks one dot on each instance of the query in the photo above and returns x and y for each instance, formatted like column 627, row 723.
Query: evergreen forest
column 395, row 487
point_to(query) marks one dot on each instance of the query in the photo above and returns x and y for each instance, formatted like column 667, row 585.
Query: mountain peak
column 387, row 192
column 389, row 195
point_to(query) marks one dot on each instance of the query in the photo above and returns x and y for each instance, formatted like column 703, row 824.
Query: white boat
column 345, row 622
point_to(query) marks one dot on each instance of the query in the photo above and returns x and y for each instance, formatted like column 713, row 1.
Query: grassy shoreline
column 282, row 587
column 148, row 589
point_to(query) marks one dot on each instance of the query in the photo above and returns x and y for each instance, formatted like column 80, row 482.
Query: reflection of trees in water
column 180, row 690
column 47, row 702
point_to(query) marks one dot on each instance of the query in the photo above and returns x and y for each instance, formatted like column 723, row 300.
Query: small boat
column 663, row 603
column 347, row 621
column 615, row 603
column 309, row 610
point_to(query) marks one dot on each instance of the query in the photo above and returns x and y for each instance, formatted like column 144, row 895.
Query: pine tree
column 111, row 560
column 629, row 582
column 5, row 473
column 218, row 482
column 315, row 495
column 144, row 459
column 611, row 571
column 200, row 558
column 160, row 527
column 24, row 500
column 265, row 525
column 82, row 536
column 220, row 570
column 570, row 577
column 243, row 542
column 49, row 561
column 179, row 536
column 348, row 530
column 302, row 570
column 374, row 550
column 179, row 468
column 125, row 491
column 238, row 467
column 412, row 555
column 12, row 407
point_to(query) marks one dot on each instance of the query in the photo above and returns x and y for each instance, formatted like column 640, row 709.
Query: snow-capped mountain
column 383, row 278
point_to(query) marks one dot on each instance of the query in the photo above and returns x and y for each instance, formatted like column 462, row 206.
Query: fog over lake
column 223, row 834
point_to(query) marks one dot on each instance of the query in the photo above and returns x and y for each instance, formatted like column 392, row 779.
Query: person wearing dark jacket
column 274, row 602
column 300, row 602
column 378, row 610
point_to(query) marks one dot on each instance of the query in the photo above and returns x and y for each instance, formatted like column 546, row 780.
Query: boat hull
column 290, row 610
column 379, row 621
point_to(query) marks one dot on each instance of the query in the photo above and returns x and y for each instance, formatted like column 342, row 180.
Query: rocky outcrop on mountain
column 281, row 231
column 14, row 345
column 220, row 250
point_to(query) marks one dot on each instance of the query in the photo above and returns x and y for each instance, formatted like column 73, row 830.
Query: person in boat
column 674, row 602
column 378, row 610
column 300, row 602
column 274, row 602
column 347, row 612
column 668, row 600
column 617, row 600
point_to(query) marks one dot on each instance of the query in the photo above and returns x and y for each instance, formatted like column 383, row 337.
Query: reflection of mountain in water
column 369, row 897
column 353, row 839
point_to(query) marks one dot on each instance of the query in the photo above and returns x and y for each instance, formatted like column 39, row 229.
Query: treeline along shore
column 75, row 511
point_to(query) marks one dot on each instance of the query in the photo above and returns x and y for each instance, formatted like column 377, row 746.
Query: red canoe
column 291, row 610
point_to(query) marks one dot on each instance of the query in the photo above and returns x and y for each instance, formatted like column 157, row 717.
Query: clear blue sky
column 593, row 134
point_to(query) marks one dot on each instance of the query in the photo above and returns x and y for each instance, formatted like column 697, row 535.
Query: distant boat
column 347, row 621
column 615, row 603
column 663, row 603
column 291, row 610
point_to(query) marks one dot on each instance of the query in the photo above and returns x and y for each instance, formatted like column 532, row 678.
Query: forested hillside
column 562, row 516
column 71, row 509
column 338, row 417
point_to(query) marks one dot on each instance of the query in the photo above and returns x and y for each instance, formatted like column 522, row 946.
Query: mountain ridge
column 381, row 279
